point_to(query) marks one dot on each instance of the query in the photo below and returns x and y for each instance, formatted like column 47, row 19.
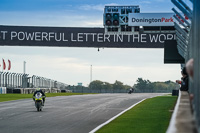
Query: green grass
column 150, row 116
column 9, row 97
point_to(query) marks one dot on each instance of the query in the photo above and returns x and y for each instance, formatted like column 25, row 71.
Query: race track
column 65, row 114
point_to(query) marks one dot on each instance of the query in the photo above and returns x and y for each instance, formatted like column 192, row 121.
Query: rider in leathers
column 43, row 95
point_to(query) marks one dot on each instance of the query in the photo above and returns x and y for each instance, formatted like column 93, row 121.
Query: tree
column 127, row 87
column 144, row 85
column 118, row 85
column 148, row 86
column 107, row 86
column 96, row 85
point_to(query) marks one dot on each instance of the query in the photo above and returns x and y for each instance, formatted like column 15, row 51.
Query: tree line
column 97, row 84
column 141, row 85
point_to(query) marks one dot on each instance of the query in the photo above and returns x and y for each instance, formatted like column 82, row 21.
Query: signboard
column 78, row 37
column 171, row 54
column 151, row 19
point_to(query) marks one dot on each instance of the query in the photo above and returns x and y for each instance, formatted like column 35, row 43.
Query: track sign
column 151, row 19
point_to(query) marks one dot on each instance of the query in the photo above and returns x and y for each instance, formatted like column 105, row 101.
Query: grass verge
column 150, row 116
column 9, row 97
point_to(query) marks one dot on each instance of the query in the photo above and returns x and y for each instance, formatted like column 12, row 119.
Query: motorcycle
column 130, row 91
column 38, row 101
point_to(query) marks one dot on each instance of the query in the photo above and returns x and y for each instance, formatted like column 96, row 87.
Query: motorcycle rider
column 130, row 91
column 43, row 95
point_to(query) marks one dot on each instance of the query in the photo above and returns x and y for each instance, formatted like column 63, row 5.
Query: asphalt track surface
column 65, row 114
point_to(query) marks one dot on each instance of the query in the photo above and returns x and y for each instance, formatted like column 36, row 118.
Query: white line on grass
column 108, row 121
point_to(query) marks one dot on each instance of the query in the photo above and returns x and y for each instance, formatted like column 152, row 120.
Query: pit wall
column 182, row 120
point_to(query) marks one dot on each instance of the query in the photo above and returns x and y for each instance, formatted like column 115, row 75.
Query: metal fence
column 20, row 80
column 188, row 38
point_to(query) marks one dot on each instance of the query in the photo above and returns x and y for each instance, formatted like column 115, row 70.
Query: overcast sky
column 72, row 65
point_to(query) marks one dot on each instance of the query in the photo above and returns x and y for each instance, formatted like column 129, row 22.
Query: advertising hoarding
column 78, row 37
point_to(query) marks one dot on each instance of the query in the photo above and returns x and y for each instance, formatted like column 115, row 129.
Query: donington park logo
column 153, row 20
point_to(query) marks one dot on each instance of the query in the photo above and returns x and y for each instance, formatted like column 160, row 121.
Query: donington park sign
column 78, row 37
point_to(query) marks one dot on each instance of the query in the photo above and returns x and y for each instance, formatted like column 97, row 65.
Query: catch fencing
column 20, row 80
column 188, row 39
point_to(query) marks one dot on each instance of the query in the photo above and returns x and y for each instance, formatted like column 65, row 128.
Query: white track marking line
column 108, row 121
